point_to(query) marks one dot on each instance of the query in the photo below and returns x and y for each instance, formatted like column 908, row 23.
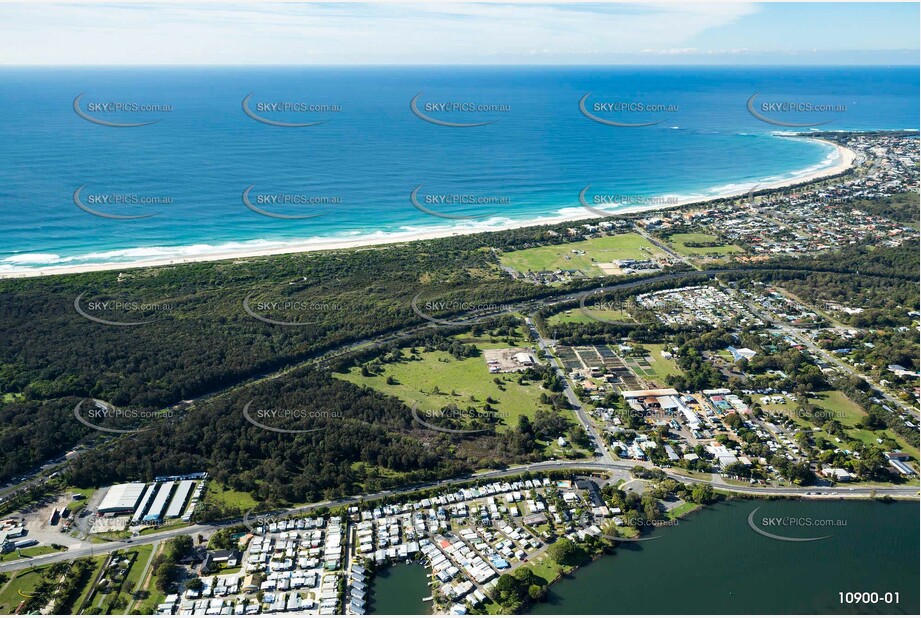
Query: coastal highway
column 606, row 461
column 597, row 465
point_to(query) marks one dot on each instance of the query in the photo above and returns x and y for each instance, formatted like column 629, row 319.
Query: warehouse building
column 179, row 499
column 155, row 513
column 144, row 503
column 121, row 499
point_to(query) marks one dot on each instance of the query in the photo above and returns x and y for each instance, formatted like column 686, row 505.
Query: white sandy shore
column 844, row 161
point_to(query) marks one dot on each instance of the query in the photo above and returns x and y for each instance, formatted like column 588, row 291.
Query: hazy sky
column 484, row 33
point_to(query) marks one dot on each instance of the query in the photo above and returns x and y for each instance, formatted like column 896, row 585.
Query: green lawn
column 657, row 366
column 218, row 494
column 682, row 509
column 844, row 410
column 486, row 341
column 135, row 573
column 602, row 249
column 170, row 526
column 577, row 316
column 21, row 583
column 469, row 378
column 677, row 242
column 98, row 561
column 28, row 552
column 77, row 504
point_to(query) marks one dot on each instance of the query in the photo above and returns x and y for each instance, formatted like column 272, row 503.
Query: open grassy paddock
column 584, row 255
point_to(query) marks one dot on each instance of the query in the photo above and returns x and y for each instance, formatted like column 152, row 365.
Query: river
column 714, row 563
column 399, row 590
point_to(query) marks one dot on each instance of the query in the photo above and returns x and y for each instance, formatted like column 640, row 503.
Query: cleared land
column 218, row 494
column 437, row 379
column 577, row 316
column 588, row 254
column 654, row 365
column 678, row 242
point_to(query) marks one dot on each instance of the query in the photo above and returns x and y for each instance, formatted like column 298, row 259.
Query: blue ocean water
column 371, row 151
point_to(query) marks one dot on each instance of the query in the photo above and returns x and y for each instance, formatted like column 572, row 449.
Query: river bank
column 715, row 562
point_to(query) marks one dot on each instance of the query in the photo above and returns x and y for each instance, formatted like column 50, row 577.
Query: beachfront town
column 798, row 221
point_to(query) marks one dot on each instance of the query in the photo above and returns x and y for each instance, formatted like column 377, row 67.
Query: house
column 838, row 474
column 224, row 558
column 525, row 359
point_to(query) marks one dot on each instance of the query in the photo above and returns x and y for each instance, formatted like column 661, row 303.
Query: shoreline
column 844, row 161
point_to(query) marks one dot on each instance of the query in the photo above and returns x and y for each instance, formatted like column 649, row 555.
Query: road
column 570, row 394
column 863, row 491
column 605, row 462
column 829, row 358
column 663, row 246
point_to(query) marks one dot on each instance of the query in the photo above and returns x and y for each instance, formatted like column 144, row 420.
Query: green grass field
column 218, row 494
column 135, row 573
column 170, row 526
column 21, row 583
column 416, row 381
column 845, row 410
column 677, row 242
column 77, row 504
column 28, row 552
column 577, row 316
column 603, row 249
column 656, row 367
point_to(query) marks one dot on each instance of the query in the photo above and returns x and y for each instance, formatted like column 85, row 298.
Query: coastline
column 843, row 162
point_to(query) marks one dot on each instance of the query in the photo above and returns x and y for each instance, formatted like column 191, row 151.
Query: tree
column 701, row 493
column 566, row 553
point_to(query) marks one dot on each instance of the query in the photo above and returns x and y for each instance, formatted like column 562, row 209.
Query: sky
column 111, row 33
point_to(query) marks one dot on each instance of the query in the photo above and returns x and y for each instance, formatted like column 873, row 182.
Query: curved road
column 601, row 465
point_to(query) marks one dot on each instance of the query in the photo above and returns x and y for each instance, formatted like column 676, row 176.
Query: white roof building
column 121, row 498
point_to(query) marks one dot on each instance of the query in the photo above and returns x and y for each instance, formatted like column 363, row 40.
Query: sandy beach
column 844, row 161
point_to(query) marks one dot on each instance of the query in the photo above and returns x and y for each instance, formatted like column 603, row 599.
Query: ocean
column 77, row 191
